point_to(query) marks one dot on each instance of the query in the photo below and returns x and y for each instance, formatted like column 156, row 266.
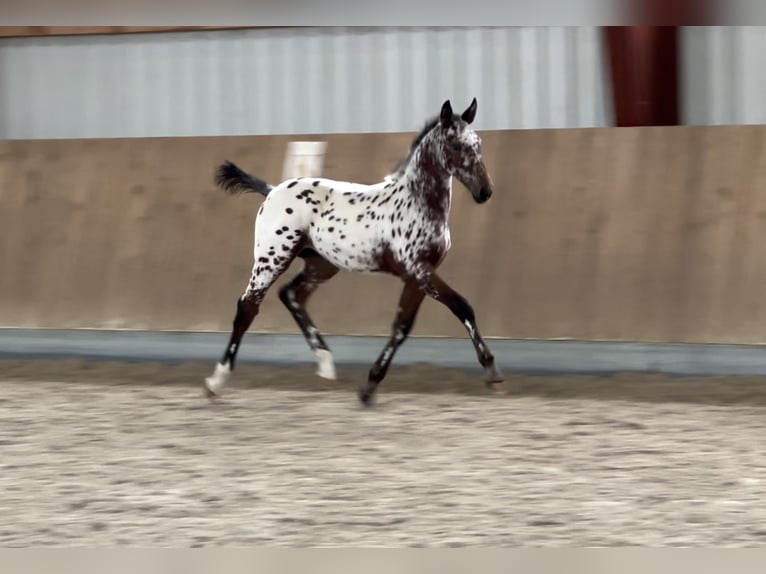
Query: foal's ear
column 446, row 114
column 470, row 112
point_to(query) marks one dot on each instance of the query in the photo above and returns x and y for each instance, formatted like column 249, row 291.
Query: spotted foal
column 398, row 226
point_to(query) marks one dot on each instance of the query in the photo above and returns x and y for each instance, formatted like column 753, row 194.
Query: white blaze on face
column 470, row 139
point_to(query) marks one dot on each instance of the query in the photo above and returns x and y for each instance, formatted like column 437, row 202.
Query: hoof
column 211, row 396
column 494, row 380
column 327, row 375
column 216, row 381
column 325, row 365
column 496, row 387
column 366, row 395
column 492, row 375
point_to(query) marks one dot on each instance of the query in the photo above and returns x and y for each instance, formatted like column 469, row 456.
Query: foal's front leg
column 435, row 287
column 409, row 303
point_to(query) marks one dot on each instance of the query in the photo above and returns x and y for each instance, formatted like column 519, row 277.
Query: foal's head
column 460, row 150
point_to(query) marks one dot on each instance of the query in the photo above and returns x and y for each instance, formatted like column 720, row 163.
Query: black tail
column 233, row 180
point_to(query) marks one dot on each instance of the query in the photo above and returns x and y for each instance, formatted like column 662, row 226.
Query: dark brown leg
column 247, row 309
column 409, row 303
column 262, row 278
column 438, row 289
column 295, row 295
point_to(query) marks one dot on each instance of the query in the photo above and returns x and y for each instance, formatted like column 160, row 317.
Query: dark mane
column 427, row 127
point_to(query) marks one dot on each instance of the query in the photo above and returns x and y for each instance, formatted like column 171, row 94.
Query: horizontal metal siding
column 725, row 75
column 293, row 81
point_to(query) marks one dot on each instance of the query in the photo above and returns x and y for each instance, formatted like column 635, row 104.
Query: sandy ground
column 131, row 454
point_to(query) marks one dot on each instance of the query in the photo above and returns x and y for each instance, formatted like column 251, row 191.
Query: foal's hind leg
column 295, row 295
column 409, row 303
column 263, row 277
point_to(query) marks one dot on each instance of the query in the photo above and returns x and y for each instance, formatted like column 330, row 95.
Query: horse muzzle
column 483, row 196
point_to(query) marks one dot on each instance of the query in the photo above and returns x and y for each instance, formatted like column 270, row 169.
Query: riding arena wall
column 619, row 234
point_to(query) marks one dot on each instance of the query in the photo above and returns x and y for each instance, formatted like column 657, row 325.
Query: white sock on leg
column 325, row 364
column 219, row 378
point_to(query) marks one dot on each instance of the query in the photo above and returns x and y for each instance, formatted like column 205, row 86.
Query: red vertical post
column 644, row 60
column 644, row 66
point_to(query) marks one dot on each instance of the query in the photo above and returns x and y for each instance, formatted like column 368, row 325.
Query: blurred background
column 80, row 82
column 628, row 162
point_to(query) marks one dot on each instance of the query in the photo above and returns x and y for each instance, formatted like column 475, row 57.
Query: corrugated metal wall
column 325, row 80
column 725, row 75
